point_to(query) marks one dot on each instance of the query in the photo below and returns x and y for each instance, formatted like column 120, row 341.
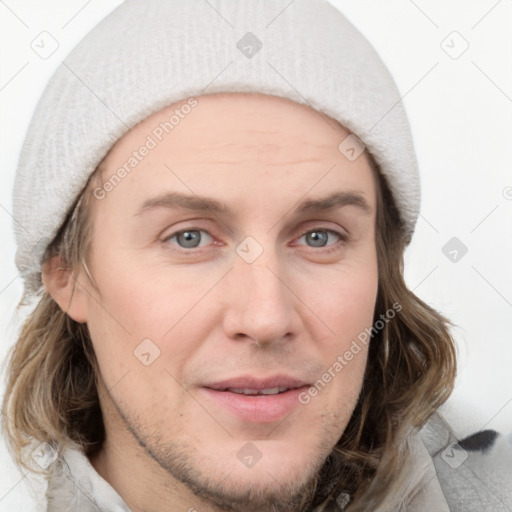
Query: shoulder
column 475, row 473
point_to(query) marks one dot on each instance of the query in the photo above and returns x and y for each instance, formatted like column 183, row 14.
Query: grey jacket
column 472, row 475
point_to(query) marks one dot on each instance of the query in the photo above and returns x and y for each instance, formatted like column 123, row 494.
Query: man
column 224, row 323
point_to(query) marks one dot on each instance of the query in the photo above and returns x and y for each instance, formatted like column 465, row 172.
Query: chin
column 276, row 461
column 241, row 475
column 277, row 482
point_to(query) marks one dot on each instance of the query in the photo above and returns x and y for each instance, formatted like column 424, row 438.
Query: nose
column 259, row 305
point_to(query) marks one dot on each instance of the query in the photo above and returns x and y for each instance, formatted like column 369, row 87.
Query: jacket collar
column 74, row 484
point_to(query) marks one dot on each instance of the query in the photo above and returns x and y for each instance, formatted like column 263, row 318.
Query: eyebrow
column 333, row 201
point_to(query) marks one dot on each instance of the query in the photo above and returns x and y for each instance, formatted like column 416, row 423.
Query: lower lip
column 257, row 408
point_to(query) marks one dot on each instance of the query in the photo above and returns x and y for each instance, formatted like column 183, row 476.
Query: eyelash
column 343, row 239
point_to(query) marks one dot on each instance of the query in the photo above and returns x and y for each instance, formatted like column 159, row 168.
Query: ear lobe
column 64, row 289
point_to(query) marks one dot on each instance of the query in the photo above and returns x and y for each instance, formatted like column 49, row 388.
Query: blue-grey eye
column 320, row 237
column 190, row 238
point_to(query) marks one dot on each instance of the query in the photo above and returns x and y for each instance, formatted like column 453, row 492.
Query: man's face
column 235, row 265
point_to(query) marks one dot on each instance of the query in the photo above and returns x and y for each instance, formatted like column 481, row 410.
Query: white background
column 461, row 115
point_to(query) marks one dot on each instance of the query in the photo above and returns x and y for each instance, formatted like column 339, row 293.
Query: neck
column 142, row 483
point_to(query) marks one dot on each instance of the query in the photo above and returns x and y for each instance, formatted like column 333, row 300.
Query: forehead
column 254, row 124
column 271, row 147
column 245, row 122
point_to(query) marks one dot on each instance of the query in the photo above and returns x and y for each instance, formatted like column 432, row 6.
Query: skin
column 212, row 315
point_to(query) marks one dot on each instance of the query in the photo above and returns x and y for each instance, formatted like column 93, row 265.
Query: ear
column 64, row 289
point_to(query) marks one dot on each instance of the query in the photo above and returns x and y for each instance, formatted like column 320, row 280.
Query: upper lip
column 258, row 384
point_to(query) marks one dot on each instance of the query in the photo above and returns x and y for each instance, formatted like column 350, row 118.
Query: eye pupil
column 189, row 238
column 317, row 238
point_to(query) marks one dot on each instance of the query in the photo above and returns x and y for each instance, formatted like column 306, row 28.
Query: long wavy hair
column 52, row 372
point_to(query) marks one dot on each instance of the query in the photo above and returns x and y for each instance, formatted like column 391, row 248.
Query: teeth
column 268, row 391
column 272, row 391
column 243, row 391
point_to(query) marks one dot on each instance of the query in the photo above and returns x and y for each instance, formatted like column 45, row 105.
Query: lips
column 256, row 400
column 257, row 384
column 252, row 392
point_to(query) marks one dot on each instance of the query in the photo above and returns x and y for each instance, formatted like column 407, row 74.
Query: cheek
column 343, row 300
column 142, row 310
column 143, row 301
column 347, row 306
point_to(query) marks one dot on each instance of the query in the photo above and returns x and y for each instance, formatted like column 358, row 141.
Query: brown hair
column 51, row 393
column 410, row 372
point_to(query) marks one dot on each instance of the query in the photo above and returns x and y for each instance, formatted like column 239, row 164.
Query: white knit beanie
column 149, row 54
